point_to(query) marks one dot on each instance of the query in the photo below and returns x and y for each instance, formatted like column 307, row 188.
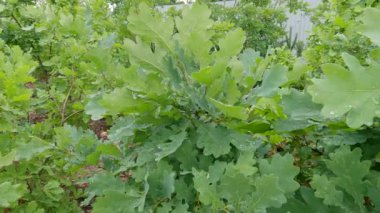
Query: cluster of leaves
column 335, row 32
column 263, row 25
column 186, row 117
column 185, row 134
column 191, row 139
column 28, row 172
column 263, row 21
column 49, row 53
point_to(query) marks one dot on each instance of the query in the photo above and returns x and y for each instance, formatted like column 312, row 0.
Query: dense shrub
column 138, row 111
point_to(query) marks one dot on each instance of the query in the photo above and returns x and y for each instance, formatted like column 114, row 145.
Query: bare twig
column 15, row 19
column 64, row 104
column 107, row 80
column 31, row 44
column 72, row 114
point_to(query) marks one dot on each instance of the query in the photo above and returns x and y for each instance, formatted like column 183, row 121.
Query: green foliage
column 352, row 91
column 347, row 187
column 131, row 110
column 336, row 31
column 368, row 28
column 262, row 23
column 10, row 193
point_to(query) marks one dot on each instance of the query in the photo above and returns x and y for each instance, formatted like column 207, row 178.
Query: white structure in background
column 186, row 1
column 299, row 23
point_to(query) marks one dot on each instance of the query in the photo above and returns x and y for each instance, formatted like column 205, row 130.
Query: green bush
column 137, row 111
